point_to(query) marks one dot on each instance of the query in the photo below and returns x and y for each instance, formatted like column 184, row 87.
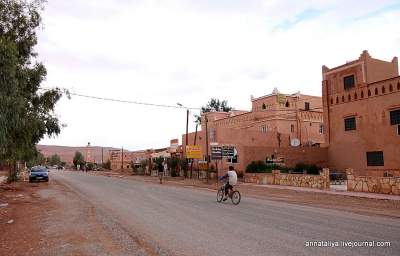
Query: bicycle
column 234, row 195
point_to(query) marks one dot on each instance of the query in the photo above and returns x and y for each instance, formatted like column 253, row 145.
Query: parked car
column 39, row 173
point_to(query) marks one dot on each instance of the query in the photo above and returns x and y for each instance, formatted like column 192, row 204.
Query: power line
column 123, row 101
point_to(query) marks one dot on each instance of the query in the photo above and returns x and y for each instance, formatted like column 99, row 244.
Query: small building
column 120, row 159
column 361, row 101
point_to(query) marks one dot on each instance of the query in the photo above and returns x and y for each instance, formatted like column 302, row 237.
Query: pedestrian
column 160, row 167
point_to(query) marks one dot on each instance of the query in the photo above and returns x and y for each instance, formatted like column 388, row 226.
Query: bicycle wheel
column 236, row 197
column 220, row 195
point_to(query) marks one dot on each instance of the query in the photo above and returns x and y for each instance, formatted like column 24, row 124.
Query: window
column 390, row 88
column 376, row 91
column 263, row 128
column 383, row 89
column 292, row 128
column 337, row 100
column 321, row 129
column 349, row 123
column 287, row 104
column 362, row 94
column 375, row 158
column 349, row 97
column 263, row 106
column 369, row 93
column 348, row 82
column 212, row 134
column 342, row 98
column 398, row 129
column 331, row 101
column 395, row 117
column 307, row 105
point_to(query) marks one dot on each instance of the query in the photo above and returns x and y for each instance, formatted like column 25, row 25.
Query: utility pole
column 187, row 138
column 195, row 138
column 187, row 125
column 122, row 158
column 187, row 131
column 102, row 157
column 208, row 160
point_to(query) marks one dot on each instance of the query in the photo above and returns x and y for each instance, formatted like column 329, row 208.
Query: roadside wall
column 320, row 181
column 372, row 184
column 291, row 155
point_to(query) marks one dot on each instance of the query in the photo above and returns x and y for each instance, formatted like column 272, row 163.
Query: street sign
column 193, row 151
column 216, row 152
column 203, row 165
column 228, row 151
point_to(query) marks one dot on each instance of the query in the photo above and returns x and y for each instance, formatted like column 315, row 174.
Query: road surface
column 184, row 221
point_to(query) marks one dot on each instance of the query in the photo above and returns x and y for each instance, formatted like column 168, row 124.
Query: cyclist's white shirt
column 232, row 177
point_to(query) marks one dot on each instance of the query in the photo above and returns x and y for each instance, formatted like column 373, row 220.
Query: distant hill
column 67, row 153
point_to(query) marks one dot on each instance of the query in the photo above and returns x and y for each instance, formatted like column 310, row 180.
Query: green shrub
column 258, row 167
column 311, row 169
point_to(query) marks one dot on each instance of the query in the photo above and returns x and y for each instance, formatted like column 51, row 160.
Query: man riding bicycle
column 231, row 177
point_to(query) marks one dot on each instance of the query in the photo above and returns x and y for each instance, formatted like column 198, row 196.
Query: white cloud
column 189, row 51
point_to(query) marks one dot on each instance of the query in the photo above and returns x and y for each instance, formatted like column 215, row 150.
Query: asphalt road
column 185, row 221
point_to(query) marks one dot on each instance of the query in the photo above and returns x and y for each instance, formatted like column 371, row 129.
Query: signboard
column 228, row 151
column 216, row 152
column 203, row 165
column 193, row 151
column 174, row 145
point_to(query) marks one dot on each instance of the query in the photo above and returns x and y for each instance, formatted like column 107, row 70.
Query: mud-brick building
column 286, row 126
column 361, row 101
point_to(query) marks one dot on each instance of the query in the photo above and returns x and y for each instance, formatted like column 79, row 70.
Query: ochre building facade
column 361, row 102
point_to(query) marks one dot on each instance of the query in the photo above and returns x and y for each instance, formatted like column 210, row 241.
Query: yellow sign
column 193, row 151
column 203, row 165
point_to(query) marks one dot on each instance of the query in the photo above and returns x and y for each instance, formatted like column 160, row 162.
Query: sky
column 169, row 52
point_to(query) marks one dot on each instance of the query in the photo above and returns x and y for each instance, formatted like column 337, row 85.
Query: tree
column 173, row 163
column 213, row 105
column 38, row 159
column 55, row 160
column 78, row 159
column 26, row 111
column 107, row 165
column 144, row 163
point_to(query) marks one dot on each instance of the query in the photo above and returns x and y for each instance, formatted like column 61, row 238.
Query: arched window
column 398, row 85
column 376, row 91
column 342, row 98
column 362, row 94
column 263, row 106
column 349, row 97
column 390, row 88
column 355, row 96
column 369, row 92
column 287, row 104
column 383, row 89
column 331, row 101
column 337, row 100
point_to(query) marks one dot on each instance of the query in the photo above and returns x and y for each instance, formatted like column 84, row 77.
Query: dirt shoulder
column 359, row 205
column 49, row 219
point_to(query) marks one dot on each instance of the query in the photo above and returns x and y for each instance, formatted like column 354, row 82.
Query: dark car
column 39, row 173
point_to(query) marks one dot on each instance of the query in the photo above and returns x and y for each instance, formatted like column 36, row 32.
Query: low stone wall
column 320, row 181
column 382, row 185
